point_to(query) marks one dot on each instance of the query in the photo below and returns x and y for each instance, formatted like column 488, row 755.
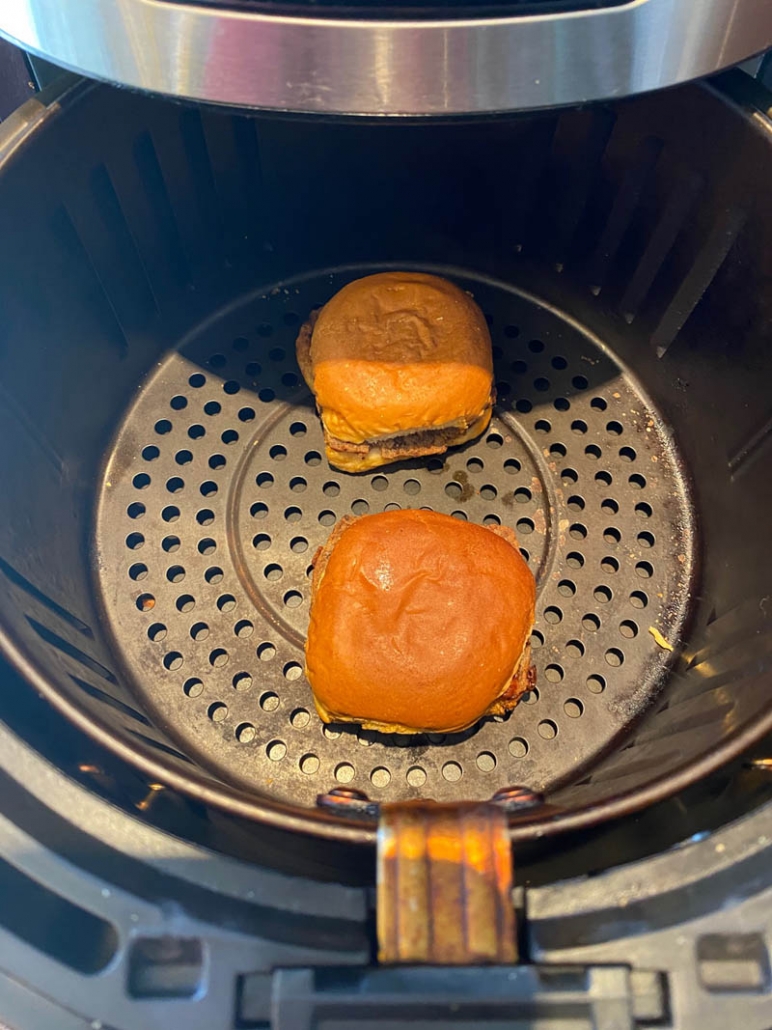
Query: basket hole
column 207, row 546
column 628, row 629
column 293, row 599
column 298, row 544
column 245, row 733
column 486, row 761
column 643, row 510
column 157, row 632
column 205, row 517
column 603, row 477
column 276, row 750
column 523, row 406
column 644, row 569
column 212, row 408
column 331, row 489
column 138, row 571
column 553, row 615
column 598, row 404
column 179, row 403
column 535, row 346
column 494, row 441
column 591, row 622
column 416, row 776
column 193, row 687
column 477, row 465
column 567, row 588
column 380, row 777
column 573, row 708
column 561, row 404
column 175, row 573
column 579, row 426
column 141, row 481
column 269, row 701
column 217, row 461
column 217, row 361
column 491, row 520
column 575, row 503
column 300, row 718
column 602, row 594
column 525, row 527
column 309, row 764
column 327, row 518
column 258, row 510
column 574, row 559
column 226, row 602
column 244, row 628
column 379, row 484
column 412, row 487
column 530, row 697
column 298, row 484
column 611, row 535
column 646, row 539
column 196, row 380
column 134, row 541
column 638, row 599
column 136, row 510
column 264, row 480
column 150, row 453
column 453, row 490
column 214, row 575
column 196, row 431
column 185, row 603
column 199, row 631
column 173, row 661
column 518, row 747
column 596, row 684
column 360, row 506
column 609, row 564
column 293, row 514
column 344, row 773
column 614, row 428
column 163, row 426
column 261, row 542
column 246, row 414
column 614, row 657
column 554, row 673
column 219, row 658
column 558, row 450
column 242, row 681
column 569, row 477
column 547, row 729
column 593, row 452
column 292, row 671
column 537, row 638
column 278, row 452
column 577, row 531
column 512, row 466
column 627, row 453
column 579, row 383
column 575, row 649
column 266, row 395
column 208, row 489
column 637, row 481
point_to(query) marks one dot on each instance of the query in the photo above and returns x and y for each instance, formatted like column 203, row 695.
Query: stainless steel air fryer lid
column 163, row 477
column 392, row 57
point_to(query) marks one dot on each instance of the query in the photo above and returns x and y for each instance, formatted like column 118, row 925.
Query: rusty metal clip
column 445, row 884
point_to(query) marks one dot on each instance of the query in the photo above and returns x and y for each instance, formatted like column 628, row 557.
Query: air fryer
column 164, row 484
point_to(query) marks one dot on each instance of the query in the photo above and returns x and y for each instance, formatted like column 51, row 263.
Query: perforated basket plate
column 216, row 496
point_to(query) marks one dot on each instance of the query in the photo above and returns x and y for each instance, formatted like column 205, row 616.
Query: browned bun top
column 418, row 620
column 397, row 352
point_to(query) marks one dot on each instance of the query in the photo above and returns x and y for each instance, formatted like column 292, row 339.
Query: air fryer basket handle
column 445, row 884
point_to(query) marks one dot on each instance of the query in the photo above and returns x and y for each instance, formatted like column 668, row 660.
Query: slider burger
column 400, row 365
column 419, row 623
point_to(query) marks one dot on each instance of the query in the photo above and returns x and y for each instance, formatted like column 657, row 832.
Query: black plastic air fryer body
column 162, row 851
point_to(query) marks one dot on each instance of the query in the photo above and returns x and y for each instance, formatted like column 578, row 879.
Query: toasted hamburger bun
column 419, row 623
column 400, row 364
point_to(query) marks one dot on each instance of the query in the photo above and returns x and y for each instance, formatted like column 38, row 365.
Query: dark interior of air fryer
column 164, row 484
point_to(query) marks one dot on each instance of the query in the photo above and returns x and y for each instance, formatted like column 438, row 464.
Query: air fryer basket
column 164, row 485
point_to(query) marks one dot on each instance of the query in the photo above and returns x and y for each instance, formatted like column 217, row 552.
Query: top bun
column 398, row 353
column 419, row 622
